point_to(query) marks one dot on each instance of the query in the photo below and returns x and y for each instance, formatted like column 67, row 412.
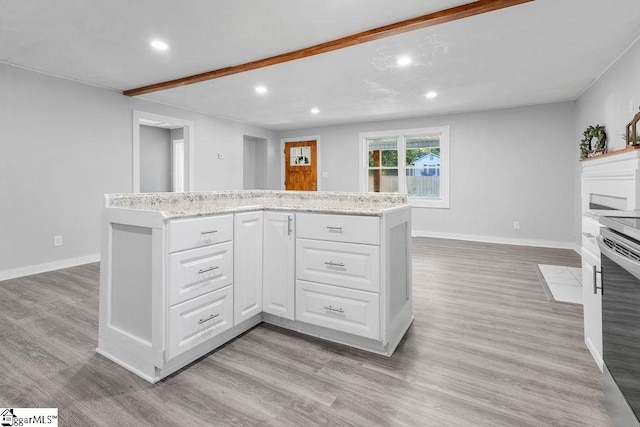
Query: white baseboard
column 500, row 240
column 595, row 353
column 48, row 266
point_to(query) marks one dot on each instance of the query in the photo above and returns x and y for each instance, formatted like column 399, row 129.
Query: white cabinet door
column 199, row 319
column 279, row 264
column 339, row 228
column 197, row 271
column 592, row 305
column 340, row 309
column 341, row 264
column 247, row 260
column 202, row 231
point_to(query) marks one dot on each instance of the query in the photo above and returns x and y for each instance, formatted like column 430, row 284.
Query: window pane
column 383, row 152
column 383, row 180
column 424, row 182
column 420, row 141
column 423, row 151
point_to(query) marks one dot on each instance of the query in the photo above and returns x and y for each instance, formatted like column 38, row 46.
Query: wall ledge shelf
column 628, row 149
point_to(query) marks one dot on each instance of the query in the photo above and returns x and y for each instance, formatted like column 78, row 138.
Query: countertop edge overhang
column 203, row 203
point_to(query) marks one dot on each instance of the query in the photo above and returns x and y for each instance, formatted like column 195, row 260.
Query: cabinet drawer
column 339, row 228
column 198, row 271
column 340, row 309
column 340, row 264
column 196, row 232
column 199, row 319
column 590, row 230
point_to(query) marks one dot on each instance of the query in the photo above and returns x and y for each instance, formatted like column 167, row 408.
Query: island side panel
column 398, row 275
column 131, row 281
column 131, row 290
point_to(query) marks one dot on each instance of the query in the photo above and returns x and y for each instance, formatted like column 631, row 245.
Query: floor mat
column 564, row 283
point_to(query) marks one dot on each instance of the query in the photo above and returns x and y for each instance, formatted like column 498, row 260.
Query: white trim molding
column 498, row 240
column 318, row 158
column 48, row 266
column 144, row 118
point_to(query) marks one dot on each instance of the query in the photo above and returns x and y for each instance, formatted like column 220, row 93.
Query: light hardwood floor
column 486, row 348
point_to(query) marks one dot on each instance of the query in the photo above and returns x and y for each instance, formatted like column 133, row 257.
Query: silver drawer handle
column 334, row 264
column 213, row 316
column 587, row 235
column 204, row 233
column 335, row 310
column 207, row 270
column 334, row 228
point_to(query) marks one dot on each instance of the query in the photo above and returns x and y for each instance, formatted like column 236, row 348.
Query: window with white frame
column 411, row 161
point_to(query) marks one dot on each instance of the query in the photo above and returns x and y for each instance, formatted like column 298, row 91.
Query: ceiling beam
column 435, row 18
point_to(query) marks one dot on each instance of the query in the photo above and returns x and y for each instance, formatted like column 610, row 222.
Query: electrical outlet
column 516, row 225
column 57, row 241
column 631, row 109
column 325, row 174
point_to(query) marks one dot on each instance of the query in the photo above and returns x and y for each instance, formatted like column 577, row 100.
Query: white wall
column 255, row 168
column 606, row 103
column 249, row 166
column 507, row 165
column 155, row 159
column 65, row 144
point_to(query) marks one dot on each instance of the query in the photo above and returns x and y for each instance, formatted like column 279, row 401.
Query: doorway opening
column 162, row 153
column 254, row 163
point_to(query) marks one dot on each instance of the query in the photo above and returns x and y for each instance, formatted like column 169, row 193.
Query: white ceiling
column 543, row 51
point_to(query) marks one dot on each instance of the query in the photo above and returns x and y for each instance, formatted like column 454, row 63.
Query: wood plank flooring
column 487, row 348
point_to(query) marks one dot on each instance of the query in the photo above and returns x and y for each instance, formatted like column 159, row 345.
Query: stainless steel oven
column 619, row 246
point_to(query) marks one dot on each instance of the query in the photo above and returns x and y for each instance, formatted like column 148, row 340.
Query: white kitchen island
column 183, row 273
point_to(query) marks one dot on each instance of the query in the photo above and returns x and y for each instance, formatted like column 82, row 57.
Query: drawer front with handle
column 196, row 232
column 340, row 264
column 199, row 319
column 590, row 230
column 198, row 271
column 339, row 228
column 340, row 309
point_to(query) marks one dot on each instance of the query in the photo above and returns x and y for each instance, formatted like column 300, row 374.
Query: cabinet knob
column 587, row 235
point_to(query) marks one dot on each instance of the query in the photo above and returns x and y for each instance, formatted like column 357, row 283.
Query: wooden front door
column 300, row 166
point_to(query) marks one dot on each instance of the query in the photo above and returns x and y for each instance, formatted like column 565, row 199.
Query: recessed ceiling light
column 403, row 61
column 159, row 45
column 431, row 94
column 261, row 90
column 314, row 111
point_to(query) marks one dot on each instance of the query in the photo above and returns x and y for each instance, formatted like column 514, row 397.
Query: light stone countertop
column 597, row 214
column 190, row 204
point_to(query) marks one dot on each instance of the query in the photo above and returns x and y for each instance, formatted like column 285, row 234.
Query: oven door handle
column 595, row 280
